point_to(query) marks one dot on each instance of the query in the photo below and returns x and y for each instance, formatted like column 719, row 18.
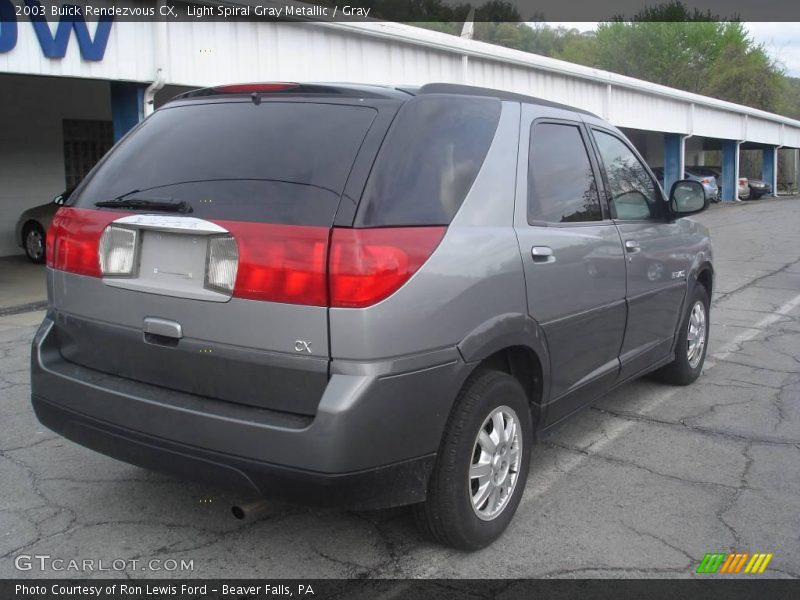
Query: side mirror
column 59, row 199
column 687, row 197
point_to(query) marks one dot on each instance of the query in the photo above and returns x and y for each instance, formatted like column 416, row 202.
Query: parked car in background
column 759, row 188
column 32, row 226
column 743, row 188
column 708, row 178
column 708, row 181
column 703, row 171
column 717, row 173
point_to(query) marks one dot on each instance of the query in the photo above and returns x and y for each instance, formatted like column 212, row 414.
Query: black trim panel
column 383, row 487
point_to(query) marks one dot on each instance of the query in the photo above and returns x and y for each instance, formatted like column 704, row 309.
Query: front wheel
column 482, row 465
column 692, row 343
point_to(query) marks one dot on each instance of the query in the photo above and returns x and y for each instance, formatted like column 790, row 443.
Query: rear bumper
column 391, row 485
column 372, row 443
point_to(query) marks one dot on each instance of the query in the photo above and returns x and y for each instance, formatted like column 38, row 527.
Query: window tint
column 633, row 194
column 276, row 162
column 561, row 185
column 429, row 160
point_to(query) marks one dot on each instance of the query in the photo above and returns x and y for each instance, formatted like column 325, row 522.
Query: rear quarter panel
column 474, row 275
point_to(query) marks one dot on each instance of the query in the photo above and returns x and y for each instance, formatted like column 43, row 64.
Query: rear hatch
column 194, row 257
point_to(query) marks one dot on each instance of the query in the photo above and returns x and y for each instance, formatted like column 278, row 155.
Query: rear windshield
column 429, row 160
column 275, row 162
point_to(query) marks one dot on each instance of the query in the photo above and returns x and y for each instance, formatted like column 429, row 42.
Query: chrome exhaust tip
column 249, row 509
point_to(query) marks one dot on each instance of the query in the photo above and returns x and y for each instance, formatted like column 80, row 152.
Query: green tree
column 711, row 58
column 675, row 11
column 790, row 98
column 745, row 76
column 689, row 50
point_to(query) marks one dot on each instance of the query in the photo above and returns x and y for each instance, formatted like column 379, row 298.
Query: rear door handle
column 543, row 254
column 632, row 246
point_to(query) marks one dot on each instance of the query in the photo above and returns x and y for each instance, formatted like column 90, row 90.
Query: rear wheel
column 690, row 349
column 482, row 465
column 33, row 238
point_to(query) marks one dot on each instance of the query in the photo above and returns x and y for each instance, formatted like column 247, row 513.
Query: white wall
column 31, row 140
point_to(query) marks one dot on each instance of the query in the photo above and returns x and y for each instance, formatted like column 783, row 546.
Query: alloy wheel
column 696, row 336
column 496, row 459
column 34, row 244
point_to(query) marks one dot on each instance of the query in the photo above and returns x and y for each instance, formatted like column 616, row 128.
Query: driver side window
column 633, row 194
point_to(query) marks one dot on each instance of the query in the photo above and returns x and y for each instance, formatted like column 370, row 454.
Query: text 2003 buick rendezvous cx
column 365, row 296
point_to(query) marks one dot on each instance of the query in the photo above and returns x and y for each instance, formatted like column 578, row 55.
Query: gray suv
column 364, row 296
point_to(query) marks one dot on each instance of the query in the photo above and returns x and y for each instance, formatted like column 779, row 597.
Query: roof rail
column 469, row 90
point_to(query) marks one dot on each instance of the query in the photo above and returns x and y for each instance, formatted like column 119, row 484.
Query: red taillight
column 292, row 264
column 74, row 237
column 368, row 265
column 250, row 88
column 280, row 263
column 742, row 181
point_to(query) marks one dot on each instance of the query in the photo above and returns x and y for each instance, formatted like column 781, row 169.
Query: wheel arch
column 705, row 277
column 514, row 344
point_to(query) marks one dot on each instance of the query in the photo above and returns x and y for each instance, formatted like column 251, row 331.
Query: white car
column 743, row 188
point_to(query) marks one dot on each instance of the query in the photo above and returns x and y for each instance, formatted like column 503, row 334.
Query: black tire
column 448, row 515
column 681, row 371
column 34, row 229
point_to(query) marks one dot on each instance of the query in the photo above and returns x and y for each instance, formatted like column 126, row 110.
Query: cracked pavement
column 642, row 484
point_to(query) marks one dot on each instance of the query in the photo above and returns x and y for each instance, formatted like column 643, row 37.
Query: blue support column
column 127, row 106
column 673, row 159
column 769, row 168
column 730, row 170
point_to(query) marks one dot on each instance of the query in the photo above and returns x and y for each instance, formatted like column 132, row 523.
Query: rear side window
column 276, row 162
column 428, row 161
column 561, row 183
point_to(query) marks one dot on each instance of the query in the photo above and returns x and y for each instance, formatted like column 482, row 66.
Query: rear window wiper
column 160, row 204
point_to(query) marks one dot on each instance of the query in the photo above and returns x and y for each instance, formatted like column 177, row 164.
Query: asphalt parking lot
column 642, row 484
